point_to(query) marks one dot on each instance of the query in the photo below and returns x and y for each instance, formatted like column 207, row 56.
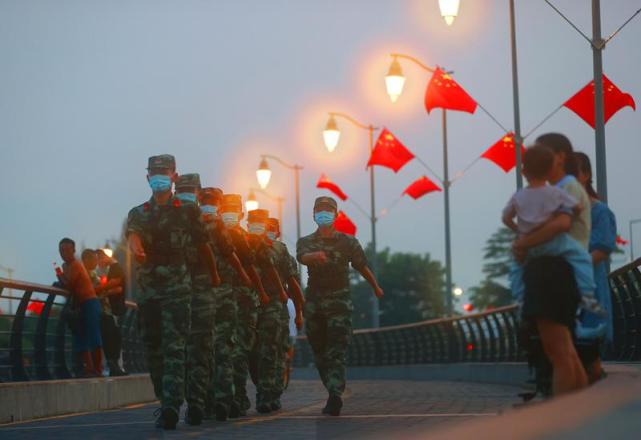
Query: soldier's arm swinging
column 210, row 261
column 238, row 267
column 272, row 273
column 136, row 248
column 371, row 280
column 258, row 284
column 312, row 258
column 296, row 294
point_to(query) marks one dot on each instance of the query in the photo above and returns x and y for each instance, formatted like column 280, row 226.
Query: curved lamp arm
column 416, row 61
column 282, row 162
column 354, row 121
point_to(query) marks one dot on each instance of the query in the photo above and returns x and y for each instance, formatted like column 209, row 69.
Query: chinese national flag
column 621, row 241
column 344, row 224
column 503, row 153
column 325, row 182
column 613, row 100
column 443, row 92
column 389, row 152
column 420, row 187
column 35, row 307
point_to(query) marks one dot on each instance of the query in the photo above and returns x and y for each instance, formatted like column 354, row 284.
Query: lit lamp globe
column 458, row 291
column 263, row 174
column 394, row 80
column 449, row 10
column 331, row 135
column 108, row 251
column 251, row 203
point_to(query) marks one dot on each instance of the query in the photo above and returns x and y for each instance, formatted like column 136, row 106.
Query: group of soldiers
column 212, row 298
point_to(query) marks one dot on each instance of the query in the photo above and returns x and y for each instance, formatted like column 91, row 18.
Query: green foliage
column 413, row 285
column 490, row 294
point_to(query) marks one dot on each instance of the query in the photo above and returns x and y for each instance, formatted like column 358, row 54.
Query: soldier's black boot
column 275, row 404
column 221, row 412
column 194, row 416
column 333, row 406
column 262, row 404
column 234, row 410
column 168, row 419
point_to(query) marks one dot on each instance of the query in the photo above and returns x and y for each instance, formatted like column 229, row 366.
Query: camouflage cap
column 233, row 202
column 162, row 161
column 210, row 195
column 188, row 182
column 273, row 224
column 325, row 201
column 258, row 216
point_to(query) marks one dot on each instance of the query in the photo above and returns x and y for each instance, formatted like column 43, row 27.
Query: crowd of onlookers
column 96, row 283
column 565, row 236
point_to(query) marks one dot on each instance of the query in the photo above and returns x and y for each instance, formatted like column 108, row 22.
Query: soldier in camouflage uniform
column 159, row 234
column 288, row 271
column 268, row 327
column 233, row 327
column 327, row 254
column 200, row 343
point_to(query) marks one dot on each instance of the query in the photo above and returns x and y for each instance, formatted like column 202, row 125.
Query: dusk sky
column 90, row 89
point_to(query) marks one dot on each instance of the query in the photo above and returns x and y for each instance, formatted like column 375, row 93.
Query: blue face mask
column 160, row 183
column 324, row 218
column 272, row 236
column 209, row 209
column 256, row 228
column 187, row 197
column 230, row 219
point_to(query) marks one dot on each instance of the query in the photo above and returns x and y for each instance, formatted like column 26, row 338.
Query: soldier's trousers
column 267, row 349
column 221, row 388
column 283, row 348
column 200, row 343
column 247, row 300
column 164, row 325
column 328, row 324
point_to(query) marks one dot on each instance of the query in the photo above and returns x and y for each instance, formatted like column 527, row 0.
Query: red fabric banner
column 613, row 100
column 502, row 153
column 443, row 92
column 35, row 307
column 389, row 152
column 621, row 241
column 344, row 224
column 420, row 187
column 326, row 183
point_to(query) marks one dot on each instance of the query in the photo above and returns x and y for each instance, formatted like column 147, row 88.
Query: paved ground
column 373, row 409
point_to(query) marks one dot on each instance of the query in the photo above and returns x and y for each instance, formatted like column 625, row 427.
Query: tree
column 413, row 285
column 493, row 290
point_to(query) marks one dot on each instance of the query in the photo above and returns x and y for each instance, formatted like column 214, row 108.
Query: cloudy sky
column 90, row 89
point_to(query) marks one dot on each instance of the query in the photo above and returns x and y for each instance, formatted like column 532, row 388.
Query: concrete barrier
column 21, row 401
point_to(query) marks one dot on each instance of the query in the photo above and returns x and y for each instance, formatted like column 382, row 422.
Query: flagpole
column 374, row 262
column 599, row 125
column 448, row 244
column 518, row 140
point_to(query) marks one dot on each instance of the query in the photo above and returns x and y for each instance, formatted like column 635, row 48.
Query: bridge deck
column 373, row 409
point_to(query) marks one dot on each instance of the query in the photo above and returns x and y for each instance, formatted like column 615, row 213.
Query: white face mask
column 256, row 228
column 272, row 236
column 230, row 219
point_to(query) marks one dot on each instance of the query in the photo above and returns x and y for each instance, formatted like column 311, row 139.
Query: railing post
column 18, row 372
column 61, row 370
column 40, row 341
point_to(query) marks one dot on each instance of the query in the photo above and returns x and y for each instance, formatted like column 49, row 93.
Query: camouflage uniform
column 166, row 232
column 328, row 306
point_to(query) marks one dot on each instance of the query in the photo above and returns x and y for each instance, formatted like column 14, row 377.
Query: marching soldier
column 160, row 232
column 327, row 254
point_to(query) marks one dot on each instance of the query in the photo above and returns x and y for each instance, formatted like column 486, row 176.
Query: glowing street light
column 458, row 291
column 251, row 203
column 394, row 80
column 331, row 134
column 449, row 10
column 263, row 174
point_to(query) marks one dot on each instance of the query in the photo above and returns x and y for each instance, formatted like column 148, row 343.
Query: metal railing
column 35, row 343
column 625, row 284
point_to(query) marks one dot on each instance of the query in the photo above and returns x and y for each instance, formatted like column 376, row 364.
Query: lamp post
column 632, row 222
column 264, row 174
column 331, row 136
column 252, row 202
column 394, row 81
column 449, row 11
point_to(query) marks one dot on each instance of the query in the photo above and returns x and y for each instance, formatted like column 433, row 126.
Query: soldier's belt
column 166, row 260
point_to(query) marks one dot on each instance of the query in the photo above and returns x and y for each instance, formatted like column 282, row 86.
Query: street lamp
column 449, row 10
column 457, row 291
column 251, row 203
column 394, row 80
column 332, row 134
column 264, row 174
column 394, row 93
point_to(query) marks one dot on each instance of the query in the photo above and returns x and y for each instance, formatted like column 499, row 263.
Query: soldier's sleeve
column 265, row 255
column 356, row 254
column 199, row 234
column 289, row 263
column 301, row 249
column 134, row 222
column 293, row 267
column 223, row 240
column 245, row 254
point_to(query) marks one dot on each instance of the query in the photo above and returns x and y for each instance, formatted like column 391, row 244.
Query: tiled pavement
column 373, row 409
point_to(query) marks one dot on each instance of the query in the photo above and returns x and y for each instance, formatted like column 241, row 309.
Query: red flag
column 389, row 152
column 613, row 100
column 325, row 182
column 443, row 92
column 35, row 307
column 502, row 153
column 621, row 241
column 420, row 187
column 344, row 224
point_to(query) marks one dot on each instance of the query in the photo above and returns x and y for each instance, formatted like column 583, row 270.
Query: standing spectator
column 87, row 340
column 113, row 305
column 602, row 244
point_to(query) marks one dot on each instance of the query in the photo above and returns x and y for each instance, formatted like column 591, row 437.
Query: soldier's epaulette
column 176, row 202
column 146, row 206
